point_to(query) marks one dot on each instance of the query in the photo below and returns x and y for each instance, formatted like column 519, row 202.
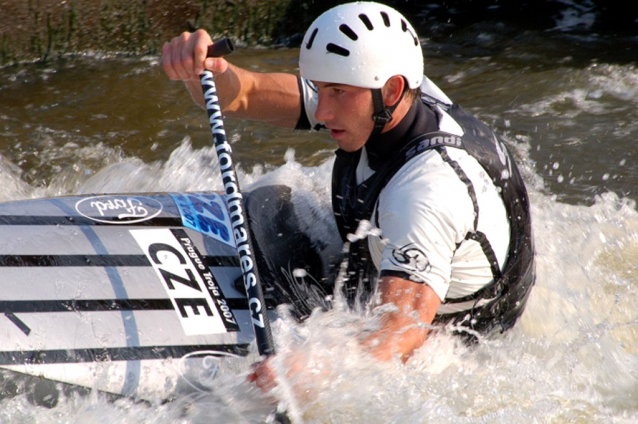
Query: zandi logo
column 119, row 209
column 442, row 139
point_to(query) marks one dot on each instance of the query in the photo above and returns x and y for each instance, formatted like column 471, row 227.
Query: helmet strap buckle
column 381, row 115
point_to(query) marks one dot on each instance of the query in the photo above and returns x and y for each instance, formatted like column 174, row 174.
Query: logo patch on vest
column 411, row 258
column 434, row 140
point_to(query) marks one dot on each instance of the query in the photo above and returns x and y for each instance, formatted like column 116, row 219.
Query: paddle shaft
column 239, row 218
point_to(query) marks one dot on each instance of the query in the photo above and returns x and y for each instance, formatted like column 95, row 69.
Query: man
column 455, row 240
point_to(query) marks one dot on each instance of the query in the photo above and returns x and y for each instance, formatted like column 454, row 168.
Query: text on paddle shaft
column 234, row 200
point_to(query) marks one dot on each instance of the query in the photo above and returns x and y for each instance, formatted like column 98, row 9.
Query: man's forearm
column 404, row 329
column 268, row 97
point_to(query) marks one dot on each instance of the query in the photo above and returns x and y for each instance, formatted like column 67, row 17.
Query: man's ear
column 392, row 90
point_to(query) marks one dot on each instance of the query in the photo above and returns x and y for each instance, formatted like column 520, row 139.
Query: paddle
column 239, row 221
column 239, row 218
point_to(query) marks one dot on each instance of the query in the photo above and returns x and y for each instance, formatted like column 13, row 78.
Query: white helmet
column 362, row 44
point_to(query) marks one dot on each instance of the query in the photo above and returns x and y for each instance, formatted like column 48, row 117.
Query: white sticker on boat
column 206, row 214
column 181, row 276
column 119, row 209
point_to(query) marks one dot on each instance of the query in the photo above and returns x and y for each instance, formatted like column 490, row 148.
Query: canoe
column 130, row 294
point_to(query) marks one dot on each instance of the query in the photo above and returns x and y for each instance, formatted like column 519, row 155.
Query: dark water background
column 564, row 96
column 570, row 96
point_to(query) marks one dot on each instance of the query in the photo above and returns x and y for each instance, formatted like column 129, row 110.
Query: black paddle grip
column 220, row 48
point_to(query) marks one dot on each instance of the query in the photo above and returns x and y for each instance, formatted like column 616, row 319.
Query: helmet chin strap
column 382, row 113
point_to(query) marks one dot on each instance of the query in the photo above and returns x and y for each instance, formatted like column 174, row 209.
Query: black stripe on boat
column 80, row 220
column 99, row 260
column 96, row 305
column 69, row 356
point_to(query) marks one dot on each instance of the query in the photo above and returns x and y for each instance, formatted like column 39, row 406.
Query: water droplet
column 299, row 272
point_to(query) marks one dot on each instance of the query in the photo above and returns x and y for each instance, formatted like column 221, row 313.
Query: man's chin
column 350, row 147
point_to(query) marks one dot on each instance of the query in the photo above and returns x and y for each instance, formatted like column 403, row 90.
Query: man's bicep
column 422, row 228
column 409, row 297
column 419, row 252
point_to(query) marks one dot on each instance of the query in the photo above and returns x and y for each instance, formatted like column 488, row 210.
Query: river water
column 567, row 103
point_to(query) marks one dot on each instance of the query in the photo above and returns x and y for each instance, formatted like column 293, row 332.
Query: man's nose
column 324, row 110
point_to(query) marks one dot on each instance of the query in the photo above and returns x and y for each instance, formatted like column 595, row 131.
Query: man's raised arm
column 268, row 97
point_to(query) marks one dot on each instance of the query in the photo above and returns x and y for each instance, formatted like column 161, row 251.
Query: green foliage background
column 32, row 30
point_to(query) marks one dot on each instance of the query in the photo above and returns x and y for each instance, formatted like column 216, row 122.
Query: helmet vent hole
column 348, row 32
column 386, row 19
column 312, row 38
column 366, row 21
column 404, row 27
column 333, row 48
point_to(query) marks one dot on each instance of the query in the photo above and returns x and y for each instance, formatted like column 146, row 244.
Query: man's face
column 347, row 113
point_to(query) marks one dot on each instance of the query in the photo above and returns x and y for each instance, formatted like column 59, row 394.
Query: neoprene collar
column 419, row 120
